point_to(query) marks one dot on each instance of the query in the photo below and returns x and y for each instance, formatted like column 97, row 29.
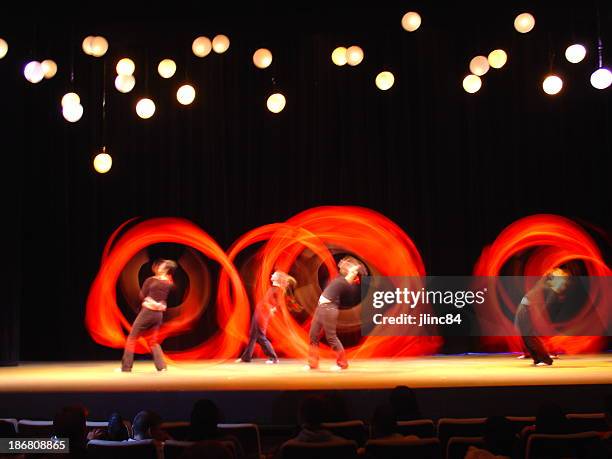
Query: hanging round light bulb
column 72, row 112
column 497, row 58
column 87, row 45
column 524, row 23
column 552, row 85
column 71, row 98
column 339, row 56
column 479, row 65
column 262, row 58
column 145, row 108
column 99, row 46
column 411, row 21
column 166, row 68
column 384, row 80
column 601, row 78
column 354, row 55
column 103, row 162
column 125, row 83
column 220, row 44
column 185, row 94
column 472, row 83
column 3, row 47
column 201, row 46
column 49, row 68
column 125, row 66
column 276, row 102
column 34, row 72
column 575, row 53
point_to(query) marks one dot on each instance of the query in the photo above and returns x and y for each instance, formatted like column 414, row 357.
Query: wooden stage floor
column 491, row 370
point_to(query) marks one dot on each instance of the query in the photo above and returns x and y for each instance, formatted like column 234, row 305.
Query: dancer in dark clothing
column 325, row 318
column 154, row 295
column 281, row 292
column 533, row 308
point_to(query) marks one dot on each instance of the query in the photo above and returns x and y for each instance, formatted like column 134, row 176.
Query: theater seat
column 520, row 422
column 329, row 450
column 588, row 422
column 351, row 430
column 422, row 428
column 35, row 429
column 247, row 435
column 569, row 445
column 178, row 430
column 8, row 428
column 173, row 449
column 426, row 448
column 459, row 427
column 102, row 449
column 458, row 446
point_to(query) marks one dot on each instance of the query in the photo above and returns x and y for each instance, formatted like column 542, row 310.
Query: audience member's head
column 70, row 422
column 550, row 419
column 209, row 450
column 337, row 409
column 313, row 411
column 404, row 403
column 145, row 425
column 117, row 430
column 384, row 421
column 204, row 419
column 499, row 436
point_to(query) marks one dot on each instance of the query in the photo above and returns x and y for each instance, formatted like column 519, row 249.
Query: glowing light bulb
column 185, row 94
column 601, row 78
column 34, row 72
column 166, row 68
column 262, row 58
column 339, row 56
column 472, row 83
column 497, row 58
column 552, row 84
column 479, row 65
column 411, row 21
column 87, row 45
column 99, row 46
column 3, row 48
column 524, row 23
column 103, row 162
column 145, row 108
column 72, row 112
column 276, row 103
column 71, row 98
column 384, row 80
column 125, row 66
column 201, row 46
column 575, row 53
column 354, row 55
column 220, row 44
column 125, row 83
column 49, row 68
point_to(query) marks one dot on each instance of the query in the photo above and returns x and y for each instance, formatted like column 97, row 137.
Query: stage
column 458, row 385
column 424, row 372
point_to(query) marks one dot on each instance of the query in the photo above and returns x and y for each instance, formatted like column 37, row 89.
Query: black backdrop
column 452, row 169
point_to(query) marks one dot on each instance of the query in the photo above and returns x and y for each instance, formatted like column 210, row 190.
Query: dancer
column 325, row 317
column 533, row 307
column 153, row 294
column 280, row 292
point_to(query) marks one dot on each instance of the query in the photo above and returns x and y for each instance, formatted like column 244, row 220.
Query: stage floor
column 492, row 370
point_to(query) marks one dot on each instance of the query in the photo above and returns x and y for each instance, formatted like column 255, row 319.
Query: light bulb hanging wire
column 599, row 42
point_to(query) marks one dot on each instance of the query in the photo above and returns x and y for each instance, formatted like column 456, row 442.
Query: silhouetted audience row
column 209, row 441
